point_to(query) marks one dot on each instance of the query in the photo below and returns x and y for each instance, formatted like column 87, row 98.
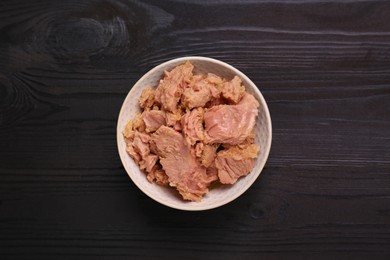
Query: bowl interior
column 220, row 194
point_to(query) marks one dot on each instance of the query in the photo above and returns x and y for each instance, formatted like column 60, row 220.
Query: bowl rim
column 264, row 104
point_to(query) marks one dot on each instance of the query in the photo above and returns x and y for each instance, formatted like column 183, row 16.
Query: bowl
column 222, row 194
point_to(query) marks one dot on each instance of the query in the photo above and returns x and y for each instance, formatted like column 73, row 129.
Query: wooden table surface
column 323, row 67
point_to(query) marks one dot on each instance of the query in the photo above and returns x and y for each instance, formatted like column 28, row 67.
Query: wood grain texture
column 323, row 67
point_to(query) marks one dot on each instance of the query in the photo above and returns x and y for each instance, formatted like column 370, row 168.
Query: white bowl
column 222, row 194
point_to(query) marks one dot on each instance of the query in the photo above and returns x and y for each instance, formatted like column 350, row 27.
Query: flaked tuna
column 192, row 126
column 201, row 90
column 158, row 175
column 233, row 90
column 208, row 155
column 147, row 98
column 171, row 87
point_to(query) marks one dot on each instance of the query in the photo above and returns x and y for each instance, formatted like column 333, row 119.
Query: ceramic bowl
column 221, row 194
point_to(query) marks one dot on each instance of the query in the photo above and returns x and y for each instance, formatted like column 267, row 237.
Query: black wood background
column 323, row 67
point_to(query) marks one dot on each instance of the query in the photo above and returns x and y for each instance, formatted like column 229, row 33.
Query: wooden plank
column 323, row 67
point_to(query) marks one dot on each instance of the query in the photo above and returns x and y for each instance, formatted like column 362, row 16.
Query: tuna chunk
column 208, row 154
column 172, row 118
column 214, row 79
column 138, row 124
column 248, row 141
column 195, row 98
column 170, row 88
column 249, row 101
column 192, row 126
column 139, row 150
column 235, row 162
column 130, row 150
column 128, row 132
column 158, row 174
column 181, row 167
column 202, row 90
column 153, row 119
column 146, row 99
column 212, row 172
column 205, row 152
column 233, row 90
column 148, row 162
column 231, row 124
column 141, row 144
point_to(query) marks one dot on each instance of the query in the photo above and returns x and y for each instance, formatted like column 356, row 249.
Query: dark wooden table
column 323, row 67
